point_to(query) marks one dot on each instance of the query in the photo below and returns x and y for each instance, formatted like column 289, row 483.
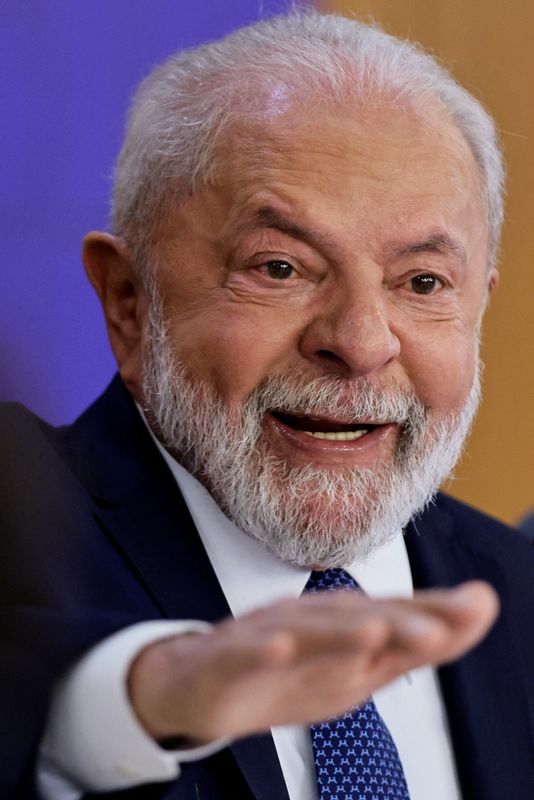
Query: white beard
column 307, row 515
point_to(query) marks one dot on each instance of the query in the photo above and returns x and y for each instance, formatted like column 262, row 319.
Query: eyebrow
column 270, row 217
column 440, row 243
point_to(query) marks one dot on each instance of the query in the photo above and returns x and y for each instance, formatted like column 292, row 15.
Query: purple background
column 68, row 69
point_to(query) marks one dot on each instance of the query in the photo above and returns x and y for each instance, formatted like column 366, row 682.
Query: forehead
column 368, row 183
column 344, row 164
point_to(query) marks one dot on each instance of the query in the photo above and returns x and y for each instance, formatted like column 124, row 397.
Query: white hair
column 184, row 107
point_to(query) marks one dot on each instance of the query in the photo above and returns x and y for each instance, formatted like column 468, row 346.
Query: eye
column 425, row 283
column 280, row 270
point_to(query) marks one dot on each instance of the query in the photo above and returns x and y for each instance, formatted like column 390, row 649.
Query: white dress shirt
column 94, row 742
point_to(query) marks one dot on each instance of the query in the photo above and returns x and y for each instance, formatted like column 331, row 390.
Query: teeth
column 337, row 436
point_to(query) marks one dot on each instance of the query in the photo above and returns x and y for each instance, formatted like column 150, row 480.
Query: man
column 305, row 227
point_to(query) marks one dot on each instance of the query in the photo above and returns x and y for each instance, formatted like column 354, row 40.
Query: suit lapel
column 168, row 559
column 140, row 507
column 485, row 693
column 137, row 502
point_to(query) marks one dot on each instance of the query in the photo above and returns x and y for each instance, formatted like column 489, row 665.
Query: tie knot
column 334, row 578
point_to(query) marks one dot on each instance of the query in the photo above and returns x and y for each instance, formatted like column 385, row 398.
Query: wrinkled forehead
column 379, row 147
column 371, row 174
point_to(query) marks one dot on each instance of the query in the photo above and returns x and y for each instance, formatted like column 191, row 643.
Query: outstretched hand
column 300, row 661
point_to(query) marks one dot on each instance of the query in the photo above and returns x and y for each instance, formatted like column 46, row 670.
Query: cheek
column 442, row 369
column 234, row 348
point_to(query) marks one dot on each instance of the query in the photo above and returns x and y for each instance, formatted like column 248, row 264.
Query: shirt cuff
column 93, row 740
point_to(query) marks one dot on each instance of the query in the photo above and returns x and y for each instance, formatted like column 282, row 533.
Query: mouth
column 325, row 429
column 330, row 441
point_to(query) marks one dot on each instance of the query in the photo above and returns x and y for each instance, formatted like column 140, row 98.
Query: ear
column 109, row 267
column 493, row 280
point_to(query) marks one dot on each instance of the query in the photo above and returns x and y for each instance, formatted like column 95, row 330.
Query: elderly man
column 305, row 227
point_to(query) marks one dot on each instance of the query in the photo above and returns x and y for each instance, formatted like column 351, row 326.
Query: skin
column 356, row 208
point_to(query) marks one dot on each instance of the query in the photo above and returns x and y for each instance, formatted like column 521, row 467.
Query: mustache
column 348, row 400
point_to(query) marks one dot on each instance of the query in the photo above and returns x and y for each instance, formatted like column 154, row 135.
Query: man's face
column 334, row 278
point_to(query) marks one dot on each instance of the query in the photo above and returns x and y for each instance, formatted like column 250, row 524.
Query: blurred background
column 68, row 71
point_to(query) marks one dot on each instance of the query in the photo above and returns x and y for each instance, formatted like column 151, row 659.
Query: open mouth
column 320, row 428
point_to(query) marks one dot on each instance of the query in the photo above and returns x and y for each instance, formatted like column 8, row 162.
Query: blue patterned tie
column 355, row 756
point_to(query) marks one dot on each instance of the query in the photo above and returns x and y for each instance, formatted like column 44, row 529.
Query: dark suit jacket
column 95, row 536
column 527, row 524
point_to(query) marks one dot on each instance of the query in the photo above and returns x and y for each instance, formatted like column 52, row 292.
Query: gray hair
column 184, row 107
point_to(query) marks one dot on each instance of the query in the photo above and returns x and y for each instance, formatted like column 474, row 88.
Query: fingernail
column 462, row 597
column 417, row 626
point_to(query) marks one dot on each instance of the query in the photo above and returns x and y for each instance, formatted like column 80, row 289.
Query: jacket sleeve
column 50, row 614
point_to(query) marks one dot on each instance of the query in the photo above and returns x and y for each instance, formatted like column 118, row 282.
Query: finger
column 361, row 636
column 471, row 607
column 327, row 623
column 443, row 635
column 470, row 600
column 347, row 622
column 454, row 619
column 432, row 627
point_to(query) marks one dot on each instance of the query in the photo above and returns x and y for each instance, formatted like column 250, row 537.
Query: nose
column 351, row 334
